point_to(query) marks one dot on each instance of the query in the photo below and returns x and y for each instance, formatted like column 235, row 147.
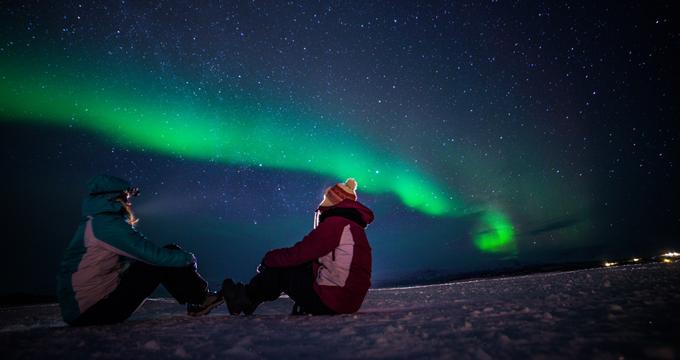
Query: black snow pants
column 297, row 282
column 185, row 284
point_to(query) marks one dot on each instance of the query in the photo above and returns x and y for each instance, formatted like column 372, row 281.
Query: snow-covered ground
column 608, row 313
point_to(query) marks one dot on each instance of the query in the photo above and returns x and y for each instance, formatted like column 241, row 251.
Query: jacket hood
column 101, row 194
column 106, row 183
column 365, row 213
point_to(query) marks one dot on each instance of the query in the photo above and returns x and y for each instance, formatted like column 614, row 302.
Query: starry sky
column 483, row 134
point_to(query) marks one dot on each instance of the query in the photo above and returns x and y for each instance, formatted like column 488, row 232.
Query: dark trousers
column 297, row 282
column 138, row 282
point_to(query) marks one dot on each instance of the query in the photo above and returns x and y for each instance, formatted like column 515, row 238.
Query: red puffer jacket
column 340, row 253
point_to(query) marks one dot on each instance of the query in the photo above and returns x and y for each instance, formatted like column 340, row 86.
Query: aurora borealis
column 223, row 134
column 483, row 134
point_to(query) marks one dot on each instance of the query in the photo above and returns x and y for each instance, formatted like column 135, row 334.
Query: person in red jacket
column 327, row 272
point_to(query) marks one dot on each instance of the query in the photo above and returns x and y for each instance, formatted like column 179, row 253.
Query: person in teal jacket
column 109, row 268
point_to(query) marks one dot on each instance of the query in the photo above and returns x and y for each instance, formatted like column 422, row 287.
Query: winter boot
column 237, row 298
column 298, row 310
column 212, row 300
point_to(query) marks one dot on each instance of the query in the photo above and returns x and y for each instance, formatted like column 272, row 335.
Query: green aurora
column 143, row 113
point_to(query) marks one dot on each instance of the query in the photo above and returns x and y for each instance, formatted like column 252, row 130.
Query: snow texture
column 605, row 313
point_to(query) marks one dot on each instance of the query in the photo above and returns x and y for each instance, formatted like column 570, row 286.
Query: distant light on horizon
column 671, row 254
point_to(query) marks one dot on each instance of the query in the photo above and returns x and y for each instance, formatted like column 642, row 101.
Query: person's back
column 327, row 272
column 88, row 270
column 343, row 274
column 87, row 273
column 109, row 268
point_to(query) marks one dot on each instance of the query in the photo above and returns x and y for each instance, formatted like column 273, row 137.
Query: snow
column 607, row 313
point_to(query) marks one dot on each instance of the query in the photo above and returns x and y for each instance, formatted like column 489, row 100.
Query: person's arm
column 317, row 243
column 117, row 236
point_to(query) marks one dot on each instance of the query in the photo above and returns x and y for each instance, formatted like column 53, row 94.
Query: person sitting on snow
column 109, row 269
column 328, row 272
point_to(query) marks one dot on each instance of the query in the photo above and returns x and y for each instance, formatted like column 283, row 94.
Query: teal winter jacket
column 102, row 248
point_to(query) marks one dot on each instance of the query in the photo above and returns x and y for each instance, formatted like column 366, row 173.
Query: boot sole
column 206, row 310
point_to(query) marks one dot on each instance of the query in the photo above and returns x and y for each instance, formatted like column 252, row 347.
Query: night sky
column 483, row 134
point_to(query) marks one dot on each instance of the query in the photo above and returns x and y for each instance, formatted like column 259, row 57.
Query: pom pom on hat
column 339, row 192
column 351, row 183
